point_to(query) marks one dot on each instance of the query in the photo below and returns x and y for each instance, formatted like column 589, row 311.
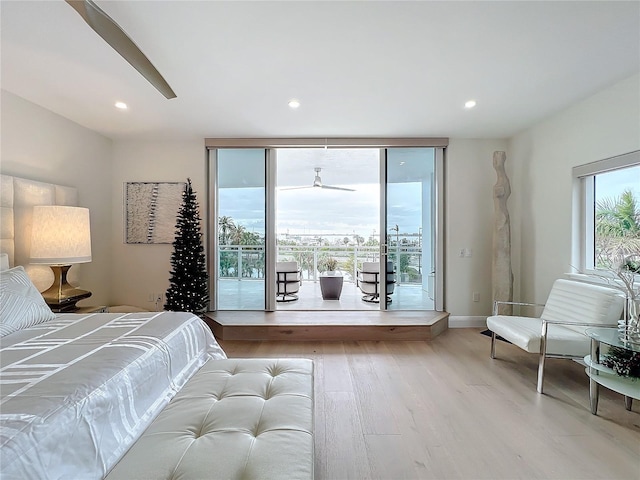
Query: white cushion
column 525, row 332
column 580, row 302
column 21, row 304
column 287, row 267
column 235, row 418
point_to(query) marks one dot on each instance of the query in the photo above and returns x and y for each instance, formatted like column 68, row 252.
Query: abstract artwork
column 151, row 210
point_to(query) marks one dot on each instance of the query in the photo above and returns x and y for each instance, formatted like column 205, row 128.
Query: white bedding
column 77, row 391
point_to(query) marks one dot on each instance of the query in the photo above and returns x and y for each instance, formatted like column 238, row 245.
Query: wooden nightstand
column 89, row 309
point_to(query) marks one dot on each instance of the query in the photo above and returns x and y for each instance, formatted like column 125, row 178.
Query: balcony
column 241, row 281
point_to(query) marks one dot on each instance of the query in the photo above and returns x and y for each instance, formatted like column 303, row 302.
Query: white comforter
column 79, row 390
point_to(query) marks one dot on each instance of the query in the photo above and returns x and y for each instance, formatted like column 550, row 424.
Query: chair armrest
column 579, row 324
column 497, row 303
column 545, row 330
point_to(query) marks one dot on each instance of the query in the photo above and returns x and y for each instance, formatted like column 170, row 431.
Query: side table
column 601, row 375
column 88, row 309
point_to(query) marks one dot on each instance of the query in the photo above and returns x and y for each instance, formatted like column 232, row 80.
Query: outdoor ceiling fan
column 117, row 38
column 317, row 183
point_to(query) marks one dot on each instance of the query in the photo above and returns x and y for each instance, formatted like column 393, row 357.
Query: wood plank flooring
column 444, row 410
column 327, row 325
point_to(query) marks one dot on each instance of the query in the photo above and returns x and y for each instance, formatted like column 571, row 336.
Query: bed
column 82, row 389
column 101, row 395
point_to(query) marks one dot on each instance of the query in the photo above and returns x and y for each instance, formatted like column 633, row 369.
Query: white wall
column 469, row 179
column 602, row 126
column 40, row 145
column 143, row 269
column 43, row 146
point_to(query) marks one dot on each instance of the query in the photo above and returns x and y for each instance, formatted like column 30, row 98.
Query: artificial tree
column 189, row 281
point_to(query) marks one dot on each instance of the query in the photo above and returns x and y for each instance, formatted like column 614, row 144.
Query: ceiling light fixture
column 293, row 103
column 121, row 105
column 470, row 104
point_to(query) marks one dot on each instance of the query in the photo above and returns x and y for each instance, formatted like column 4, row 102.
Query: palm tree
column 617, row 229
column 237, row 234
column 226, row 225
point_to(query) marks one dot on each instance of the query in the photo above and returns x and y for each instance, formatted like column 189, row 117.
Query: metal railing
column 248, row 261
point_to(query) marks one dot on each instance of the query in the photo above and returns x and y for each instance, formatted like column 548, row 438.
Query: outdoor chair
column 368, row 281
column 559, row 332
column 288, row 280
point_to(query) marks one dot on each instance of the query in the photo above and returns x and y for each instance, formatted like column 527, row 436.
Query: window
column 609, row 212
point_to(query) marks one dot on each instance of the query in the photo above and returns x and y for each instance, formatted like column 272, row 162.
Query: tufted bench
column 234, row 419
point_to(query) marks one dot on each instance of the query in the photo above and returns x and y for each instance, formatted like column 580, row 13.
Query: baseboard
column 463, row 321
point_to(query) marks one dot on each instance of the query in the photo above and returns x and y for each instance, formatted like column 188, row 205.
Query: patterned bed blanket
column 78, row 391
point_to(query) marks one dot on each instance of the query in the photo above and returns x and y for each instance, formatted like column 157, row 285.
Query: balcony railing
column 247, row 261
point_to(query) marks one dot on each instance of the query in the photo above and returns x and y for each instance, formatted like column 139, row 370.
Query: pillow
column 21, row 305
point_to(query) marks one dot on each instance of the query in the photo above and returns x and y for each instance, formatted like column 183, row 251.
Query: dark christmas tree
column 189, row 282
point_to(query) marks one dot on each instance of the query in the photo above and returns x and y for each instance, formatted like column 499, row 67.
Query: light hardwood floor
column 443, row 409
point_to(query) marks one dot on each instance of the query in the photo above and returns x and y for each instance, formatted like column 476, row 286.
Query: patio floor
column 236, row 294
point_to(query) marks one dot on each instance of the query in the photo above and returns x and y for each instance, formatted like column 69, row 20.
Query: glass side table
column 601, row 375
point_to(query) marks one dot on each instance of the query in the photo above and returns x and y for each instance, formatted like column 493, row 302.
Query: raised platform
column 327, row 326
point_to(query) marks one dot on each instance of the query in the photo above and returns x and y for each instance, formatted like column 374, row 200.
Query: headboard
column 18, row 196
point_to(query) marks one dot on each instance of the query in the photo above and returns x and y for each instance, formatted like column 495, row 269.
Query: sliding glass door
column 333, row 212
column 409, row 199
column 239, row 283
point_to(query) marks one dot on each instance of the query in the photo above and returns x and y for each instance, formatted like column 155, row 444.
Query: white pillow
column 21, row 305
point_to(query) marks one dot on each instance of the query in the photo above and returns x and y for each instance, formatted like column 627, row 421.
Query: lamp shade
column 60, row 235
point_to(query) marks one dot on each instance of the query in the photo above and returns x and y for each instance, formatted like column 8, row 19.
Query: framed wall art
column 151, row 209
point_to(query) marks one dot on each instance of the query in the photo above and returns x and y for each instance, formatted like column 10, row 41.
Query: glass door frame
column 437, row 248
column 269, row 145
column 212, row 224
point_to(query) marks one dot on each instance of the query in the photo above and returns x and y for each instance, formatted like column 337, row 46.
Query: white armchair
column 571, row 308
column 368, row 281
column 288, row 280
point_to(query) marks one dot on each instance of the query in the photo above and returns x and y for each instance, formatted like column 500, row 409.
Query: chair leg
column 543, row 357
column 493, row 344
column 541, row 373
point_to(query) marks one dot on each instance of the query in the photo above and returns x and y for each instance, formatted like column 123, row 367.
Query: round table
column 601, row 375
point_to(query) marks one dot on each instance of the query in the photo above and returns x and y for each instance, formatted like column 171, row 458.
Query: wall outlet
column 476, row 296
column 151, row 297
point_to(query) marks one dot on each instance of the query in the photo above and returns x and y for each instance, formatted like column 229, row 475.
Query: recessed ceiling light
column 121, row 105
column 293, row 103
column 470, row 104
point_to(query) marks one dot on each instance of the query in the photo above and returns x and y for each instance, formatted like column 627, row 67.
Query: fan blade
column 111, row 32
column 337, row 188
column 294, row 188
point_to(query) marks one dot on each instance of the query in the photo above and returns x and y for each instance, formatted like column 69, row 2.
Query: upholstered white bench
column 234, row 419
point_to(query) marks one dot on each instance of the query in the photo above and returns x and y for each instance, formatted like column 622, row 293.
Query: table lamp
column 60, row 237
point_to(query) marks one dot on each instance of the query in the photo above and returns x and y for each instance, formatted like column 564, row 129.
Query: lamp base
column 61, row 296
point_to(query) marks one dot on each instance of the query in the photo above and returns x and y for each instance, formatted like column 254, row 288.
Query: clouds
column 324, row 211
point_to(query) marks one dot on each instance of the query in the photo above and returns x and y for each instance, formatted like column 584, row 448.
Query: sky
column 313, row 210
column 612, row 184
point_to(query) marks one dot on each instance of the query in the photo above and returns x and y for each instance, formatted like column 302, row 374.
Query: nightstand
column 89, row 309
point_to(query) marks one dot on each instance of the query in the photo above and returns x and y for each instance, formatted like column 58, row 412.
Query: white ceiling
column 373, row 69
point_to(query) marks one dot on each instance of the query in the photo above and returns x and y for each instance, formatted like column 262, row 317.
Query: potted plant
column 328, row 265
column 331, row 264
column 330, row 283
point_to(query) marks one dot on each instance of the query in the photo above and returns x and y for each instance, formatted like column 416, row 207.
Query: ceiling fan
column 317, row 183
column 111, row 32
